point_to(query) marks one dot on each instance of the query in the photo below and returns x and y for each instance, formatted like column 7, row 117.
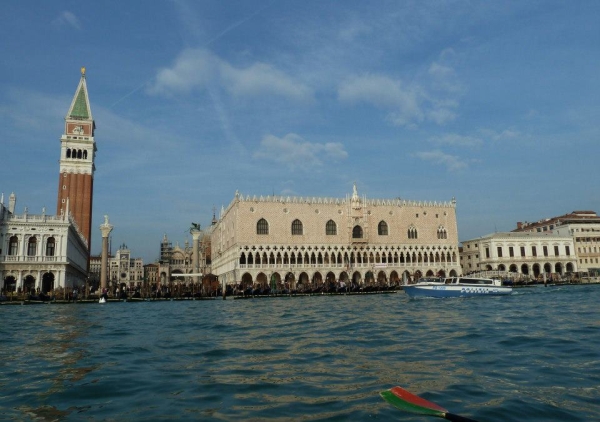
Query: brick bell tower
column 77, row 153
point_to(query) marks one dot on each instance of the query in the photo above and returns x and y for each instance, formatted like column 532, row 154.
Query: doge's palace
column 296, row 242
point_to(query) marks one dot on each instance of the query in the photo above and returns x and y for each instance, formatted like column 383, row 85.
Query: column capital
column 106, row 228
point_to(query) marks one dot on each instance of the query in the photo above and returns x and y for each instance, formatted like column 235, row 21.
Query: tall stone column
column 195, row 253
column 105, row 228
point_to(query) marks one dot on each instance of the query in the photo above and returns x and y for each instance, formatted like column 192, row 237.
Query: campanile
column 77, row 153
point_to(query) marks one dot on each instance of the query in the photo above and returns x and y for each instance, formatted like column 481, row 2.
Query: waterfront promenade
column 21, row 299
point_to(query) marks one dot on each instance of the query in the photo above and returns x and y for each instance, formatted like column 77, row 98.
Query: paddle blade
column 404, row 400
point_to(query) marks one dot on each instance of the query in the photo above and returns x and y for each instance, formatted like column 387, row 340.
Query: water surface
column 533, row 356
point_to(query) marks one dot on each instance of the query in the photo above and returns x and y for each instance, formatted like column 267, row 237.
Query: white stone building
column 40, row 251
column 291, row 241
column 528, row 253
column 583, row 227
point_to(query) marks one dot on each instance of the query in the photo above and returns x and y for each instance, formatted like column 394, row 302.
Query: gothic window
column 331, row 228
column 442, row 233
column 68, row 152
column 412, row 232
column 297, row 227
column 262, row 227
column 31, row 246
column 85, row 154
column 78, row 153
column 382, row 228
column 50, row 243
column 357, row 232
column 13, row 246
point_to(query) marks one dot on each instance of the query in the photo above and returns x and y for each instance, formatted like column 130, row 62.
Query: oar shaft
column 457, row 418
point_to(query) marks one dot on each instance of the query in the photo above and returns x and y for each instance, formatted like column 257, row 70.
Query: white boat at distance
column 456, row 287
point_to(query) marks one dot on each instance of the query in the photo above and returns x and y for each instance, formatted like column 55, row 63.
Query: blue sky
column 494, row 103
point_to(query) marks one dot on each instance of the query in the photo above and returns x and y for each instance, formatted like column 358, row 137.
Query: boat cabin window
column 474, row 281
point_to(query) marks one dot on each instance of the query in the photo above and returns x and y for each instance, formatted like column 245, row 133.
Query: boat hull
column 442, row 291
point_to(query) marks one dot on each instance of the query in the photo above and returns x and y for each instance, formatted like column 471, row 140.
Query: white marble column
column 196, row 253
column 105, row 228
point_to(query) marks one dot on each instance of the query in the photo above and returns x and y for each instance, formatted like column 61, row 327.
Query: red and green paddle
column 404, row 400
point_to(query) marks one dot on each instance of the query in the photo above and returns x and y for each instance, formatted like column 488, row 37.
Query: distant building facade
column 292, row 241
column 582, row 226
column 123, row 270
column 531, row 254
column 151, row 275
column 177, row 260
column 40, row 252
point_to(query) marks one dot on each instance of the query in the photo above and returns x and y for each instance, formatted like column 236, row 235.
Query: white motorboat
column 456, row 287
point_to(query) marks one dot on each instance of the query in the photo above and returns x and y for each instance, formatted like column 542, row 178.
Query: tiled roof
column 80, row 109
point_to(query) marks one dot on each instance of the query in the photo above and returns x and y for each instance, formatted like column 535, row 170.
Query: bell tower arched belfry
column 77, row 154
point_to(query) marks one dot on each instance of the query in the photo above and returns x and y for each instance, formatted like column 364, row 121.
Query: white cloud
column 441, row 114
column 67, row 18
column 434, row 99
column 442, row 73
column 197, row 69
column 262, row 78
column 457, row 140
column 452, row 162
column 384, row 92
column 293, row 151
column 505, row 135
column 353, row 29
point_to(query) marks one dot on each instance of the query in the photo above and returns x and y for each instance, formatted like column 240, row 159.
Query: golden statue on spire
column 83, row 71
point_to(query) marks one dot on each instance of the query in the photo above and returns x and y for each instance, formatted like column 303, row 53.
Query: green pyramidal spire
column 80, row 107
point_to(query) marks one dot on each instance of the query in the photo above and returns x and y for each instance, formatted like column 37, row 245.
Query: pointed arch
column 331, row 228
column 262, row 226
column 382, row 228
column 297, row 228
column 412, row 232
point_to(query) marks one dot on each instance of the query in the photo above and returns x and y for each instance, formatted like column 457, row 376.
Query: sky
column 493, row 103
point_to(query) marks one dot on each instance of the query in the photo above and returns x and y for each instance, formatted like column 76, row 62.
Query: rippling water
column 533, row 356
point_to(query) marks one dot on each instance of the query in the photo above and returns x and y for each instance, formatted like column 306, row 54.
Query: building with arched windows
column 530, row 254
column 294, row 242
column 40, row 252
